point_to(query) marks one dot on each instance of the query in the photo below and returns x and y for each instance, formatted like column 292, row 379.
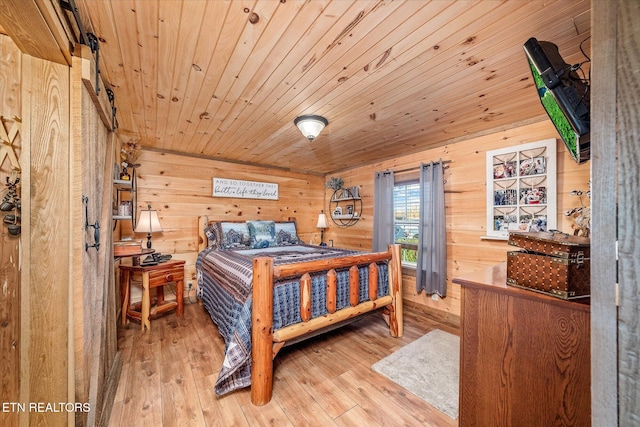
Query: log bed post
column 262, row 332
column 396, row 328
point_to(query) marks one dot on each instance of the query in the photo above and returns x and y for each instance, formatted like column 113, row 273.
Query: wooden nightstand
column 154, row 276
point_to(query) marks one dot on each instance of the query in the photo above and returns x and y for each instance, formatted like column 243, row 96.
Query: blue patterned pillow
column 286, row 234
column 235, row 235
column 263, row 234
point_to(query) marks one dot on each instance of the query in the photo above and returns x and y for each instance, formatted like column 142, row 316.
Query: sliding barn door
column 94, row 297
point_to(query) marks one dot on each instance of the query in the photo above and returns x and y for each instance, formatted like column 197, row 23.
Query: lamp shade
column 322, row 220
column 148, row 222
column 310, row 125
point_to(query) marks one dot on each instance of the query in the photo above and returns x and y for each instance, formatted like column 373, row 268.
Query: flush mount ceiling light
column 310, row 125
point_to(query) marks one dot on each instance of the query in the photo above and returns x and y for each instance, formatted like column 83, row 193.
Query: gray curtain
column 383, row 211
column 431, row 269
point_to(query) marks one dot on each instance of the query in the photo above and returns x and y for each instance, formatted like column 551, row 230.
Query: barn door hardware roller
column 95, row 48
column 96, row 226
column 112, row 97
column 84, row 37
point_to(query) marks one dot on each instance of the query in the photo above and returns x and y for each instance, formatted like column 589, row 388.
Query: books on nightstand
column 127, row 247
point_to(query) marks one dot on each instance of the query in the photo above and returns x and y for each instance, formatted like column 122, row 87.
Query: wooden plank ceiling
column 225, row 79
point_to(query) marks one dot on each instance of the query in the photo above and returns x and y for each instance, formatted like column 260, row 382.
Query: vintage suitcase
column 553, row 263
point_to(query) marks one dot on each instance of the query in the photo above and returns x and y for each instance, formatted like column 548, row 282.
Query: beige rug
column 429, row 368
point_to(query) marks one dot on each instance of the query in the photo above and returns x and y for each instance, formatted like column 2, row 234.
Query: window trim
column 403, row 245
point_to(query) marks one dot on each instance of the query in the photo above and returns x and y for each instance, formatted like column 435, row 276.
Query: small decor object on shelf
column 354, row 192
column 581, row 216
column 124, row 175
column 129, row 154
column 125, row 208
column 334, row 183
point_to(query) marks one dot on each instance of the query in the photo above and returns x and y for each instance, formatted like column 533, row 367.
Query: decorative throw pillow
column 286, row 234
column 213, row 234
column 235, row 235
column 263, row 234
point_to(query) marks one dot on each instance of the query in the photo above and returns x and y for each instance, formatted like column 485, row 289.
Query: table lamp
column 148, row 223
column 322, row 224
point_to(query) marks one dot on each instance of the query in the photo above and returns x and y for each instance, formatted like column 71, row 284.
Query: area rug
column 429, row 368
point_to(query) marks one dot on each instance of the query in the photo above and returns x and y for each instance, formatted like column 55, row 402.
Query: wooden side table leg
column 125, row 287
column 160, row 295
column 146, row 301
column 180, row 298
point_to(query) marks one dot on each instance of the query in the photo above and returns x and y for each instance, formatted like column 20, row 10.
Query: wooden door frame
column 614, row 170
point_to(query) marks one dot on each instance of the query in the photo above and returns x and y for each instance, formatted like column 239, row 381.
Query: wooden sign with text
column 223, row 187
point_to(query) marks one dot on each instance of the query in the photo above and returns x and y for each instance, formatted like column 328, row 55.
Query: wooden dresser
column 524, row 356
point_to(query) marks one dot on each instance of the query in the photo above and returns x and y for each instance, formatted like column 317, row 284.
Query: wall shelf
column 345, row 207
column 125, row 186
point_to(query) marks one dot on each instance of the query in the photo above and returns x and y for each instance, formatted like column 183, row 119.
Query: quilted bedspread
column 225, row 280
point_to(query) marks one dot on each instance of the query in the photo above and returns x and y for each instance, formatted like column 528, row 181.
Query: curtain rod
column 444, row 162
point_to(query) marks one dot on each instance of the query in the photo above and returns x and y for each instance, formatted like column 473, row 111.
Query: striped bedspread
column 225, row 280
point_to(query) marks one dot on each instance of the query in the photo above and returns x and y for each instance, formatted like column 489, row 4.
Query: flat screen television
column 563, row 94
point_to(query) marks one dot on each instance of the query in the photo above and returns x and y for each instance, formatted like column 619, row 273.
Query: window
column 406, row 211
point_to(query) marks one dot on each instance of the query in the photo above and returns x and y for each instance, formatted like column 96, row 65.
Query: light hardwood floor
column 168, row 376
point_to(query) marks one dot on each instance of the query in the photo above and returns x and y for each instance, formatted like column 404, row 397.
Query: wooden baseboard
column 449, row 319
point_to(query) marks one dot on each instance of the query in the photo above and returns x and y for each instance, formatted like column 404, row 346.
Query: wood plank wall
column 465, row 206
column 180, row 189
column 46, row 239
column 10, row 342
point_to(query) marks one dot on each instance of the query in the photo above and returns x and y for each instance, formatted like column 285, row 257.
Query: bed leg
column 396, row 328
column 262, row 332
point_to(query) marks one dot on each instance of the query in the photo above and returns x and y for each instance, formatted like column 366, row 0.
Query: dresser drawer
column 168, row 275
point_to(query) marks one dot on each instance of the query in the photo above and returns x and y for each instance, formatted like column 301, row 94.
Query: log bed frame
column 266, row 343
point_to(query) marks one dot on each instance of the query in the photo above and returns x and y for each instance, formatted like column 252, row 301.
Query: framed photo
column 510, row 169
column 349, row 209
column 527, row 167
column 539, row 165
